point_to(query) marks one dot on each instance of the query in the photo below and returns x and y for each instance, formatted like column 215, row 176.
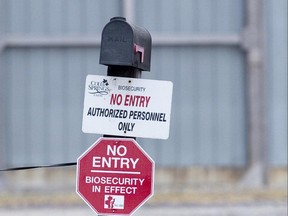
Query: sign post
column 115, row 176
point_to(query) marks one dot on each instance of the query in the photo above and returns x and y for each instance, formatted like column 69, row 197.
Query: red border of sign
column 120, row 139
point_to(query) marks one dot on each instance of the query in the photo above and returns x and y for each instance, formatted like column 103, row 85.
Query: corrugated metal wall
column 54, row 17
column 276, row 21
column 43, row 87
column 208, row 120
column 191, row 16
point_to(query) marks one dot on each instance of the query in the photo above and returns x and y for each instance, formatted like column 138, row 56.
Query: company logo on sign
column 99, row 88
column 113, row 202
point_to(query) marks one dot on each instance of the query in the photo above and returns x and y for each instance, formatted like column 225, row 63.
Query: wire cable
column 39, row 166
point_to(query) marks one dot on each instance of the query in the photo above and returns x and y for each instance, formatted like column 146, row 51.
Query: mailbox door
column 117, row 44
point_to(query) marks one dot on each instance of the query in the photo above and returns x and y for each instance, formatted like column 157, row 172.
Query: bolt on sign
column 115, row 176
column 127, row 107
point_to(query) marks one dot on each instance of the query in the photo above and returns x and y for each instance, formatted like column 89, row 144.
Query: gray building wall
column 48, row 47
column 276, row 39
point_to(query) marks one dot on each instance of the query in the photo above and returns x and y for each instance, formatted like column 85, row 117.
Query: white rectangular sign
column 127, row 107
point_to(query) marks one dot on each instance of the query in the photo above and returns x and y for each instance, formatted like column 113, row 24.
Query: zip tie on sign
column 41, row 166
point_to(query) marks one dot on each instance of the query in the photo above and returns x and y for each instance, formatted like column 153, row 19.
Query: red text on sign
column 130, row 100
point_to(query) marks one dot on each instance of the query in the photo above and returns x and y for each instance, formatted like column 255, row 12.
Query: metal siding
column 208, row 111
column 46, row 85
column 191, row 16
column 3, row 16
column 35, row 96
column 17, row 83
column 16, row 16
column 277, row 80
column 45, row 104
column 37, row 16
column 54, row 17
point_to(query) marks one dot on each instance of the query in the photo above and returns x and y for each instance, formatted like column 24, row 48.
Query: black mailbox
column 124, row 44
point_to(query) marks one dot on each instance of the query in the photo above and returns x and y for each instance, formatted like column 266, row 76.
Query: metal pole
column 23, row 41
column 256, row 175
column 128, row 10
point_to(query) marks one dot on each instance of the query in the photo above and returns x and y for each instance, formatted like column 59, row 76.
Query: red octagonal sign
column 115, row 176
